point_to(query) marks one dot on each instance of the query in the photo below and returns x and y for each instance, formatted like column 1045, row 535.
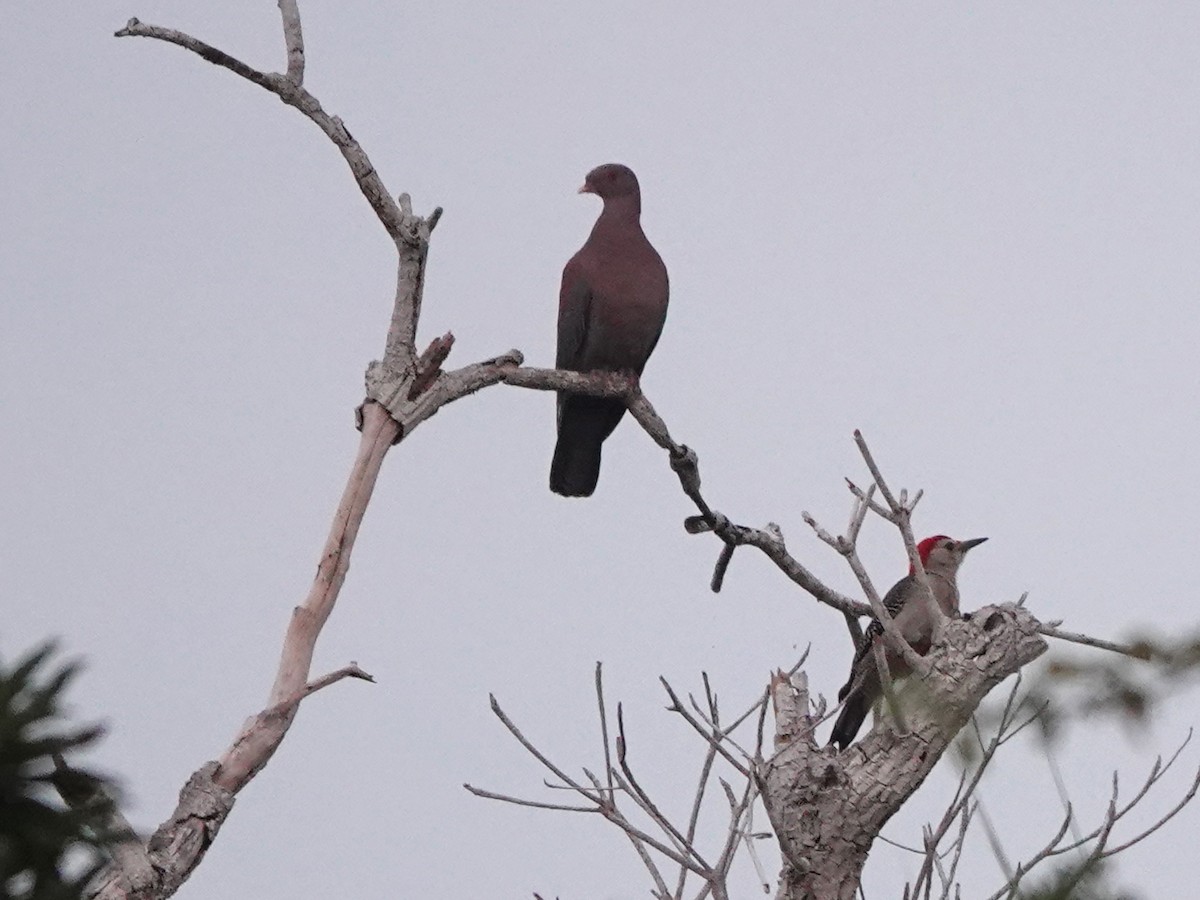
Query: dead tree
column 825, row 809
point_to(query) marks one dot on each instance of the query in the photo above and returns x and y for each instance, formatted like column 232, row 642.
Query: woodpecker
column 940, row 556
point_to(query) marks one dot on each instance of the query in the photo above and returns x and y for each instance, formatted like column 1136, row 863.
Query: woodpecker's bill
column 940, row 556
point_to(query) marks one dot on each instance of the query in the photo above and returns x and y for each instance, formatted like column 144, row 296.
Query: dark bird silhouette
column 611, row 310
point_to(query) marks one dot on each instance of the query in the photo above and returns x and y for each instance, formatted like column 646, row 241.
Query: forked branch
column 676, row 842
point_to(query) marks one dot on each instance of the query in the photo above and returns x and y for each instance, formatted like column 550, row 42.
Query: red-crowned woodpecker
column 940, row 556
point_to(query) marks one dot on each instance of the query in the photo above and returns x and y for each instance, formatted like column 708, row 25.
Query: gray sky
column 968, row 230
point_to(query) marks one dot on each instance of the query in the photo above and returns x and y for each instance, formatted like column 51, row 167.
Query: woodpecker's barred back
column 893, row 602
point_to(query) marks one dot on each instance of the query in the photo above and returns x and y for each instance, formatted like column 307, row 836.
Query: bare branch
column 603, row 724
column 858, row 516
column 1170, row 814
column 685, row 464
column 866, row 498
column 536, row 804
column 888, row 497
column 294, row 38
column 638, row 846
column 846, row 545
column 891, row 634
column 429, row 366
column 401, row 228
column 737, row 834
column 1051, row 630
column 285, row 707
column 1103, row 832
column 822, row 535
column 259, row 738
column 409, row 233
column 714, row 740
column 178, row 845
column 697, row 802
column 900, row 846
column 959, row 843
column 538, row 755
column 1157, row 772
column 966, row 788
column 1012, row 874
column 643, row 799
column 901, row 516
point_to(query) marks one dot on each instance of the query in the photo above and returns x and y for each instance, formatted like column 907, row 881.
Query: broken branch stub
column 828, row 807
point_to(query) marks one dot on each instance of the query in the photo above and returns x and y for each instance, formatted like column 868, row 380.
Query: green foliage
column 1126, row 688
column 48, row 848
column 1088, row 881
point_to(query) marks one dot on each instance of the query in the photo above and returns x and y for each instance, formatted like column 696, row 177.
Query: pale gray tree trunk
column 827, row 808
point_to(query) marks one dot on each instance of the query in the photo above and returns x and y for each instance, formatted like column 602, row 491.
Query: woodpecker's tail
column 850, row 720
column 583, row 424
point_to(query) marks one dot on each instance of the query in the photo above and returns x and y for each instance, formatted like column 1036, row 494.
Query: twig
column 901, row 516
column 685, row 464
column 736, row 834
column 643, row 799
column 285, row 707
column 748, row 836
column 844, row 545
column 429, row 365
column 863, row 449
column 866, row 498
column 1102, row 833
column 900, row 846
column 1051, row 630
column 958, row 845
column 966, row 788
column 697, row 802
column 1184, row 801
column 292, row 93
column 536, row 804
column 847, row 546
column 1157, row 772
column 713, row 739
column 539, row 756
column 603, row 724
column 1013, row 875
column 294, row 38
column 891, row 633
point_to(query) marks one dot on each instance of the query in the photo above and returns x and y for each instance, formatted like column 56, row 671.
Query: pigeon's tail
column 583, row 424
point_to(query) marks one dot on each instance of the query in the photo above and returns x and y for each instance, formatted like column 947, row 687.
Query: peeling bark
column 827, row 808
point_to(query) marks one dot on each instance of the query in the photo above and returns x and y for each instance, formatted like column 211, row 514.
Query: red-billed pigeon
column 611, row 309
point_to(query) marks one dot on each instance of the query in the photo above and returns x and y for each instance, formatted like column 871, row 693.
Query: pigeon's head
column 609, row 181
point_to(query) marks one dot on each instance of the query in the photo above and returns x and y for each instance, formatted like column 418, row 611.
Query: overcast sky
column 969, row 230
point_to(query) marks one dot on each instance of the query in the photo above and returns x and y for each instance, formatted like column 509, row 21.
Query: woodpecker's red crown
column 925, row 548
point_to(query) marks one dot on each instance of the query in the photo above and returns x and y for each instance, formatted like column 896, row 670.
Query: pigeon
column 611, row 310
